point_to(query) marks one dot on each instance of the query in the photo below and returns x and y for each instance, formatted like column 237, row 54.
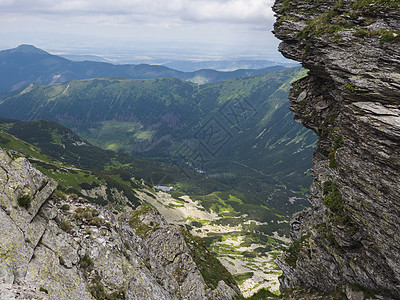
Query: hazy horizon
column 141, row 30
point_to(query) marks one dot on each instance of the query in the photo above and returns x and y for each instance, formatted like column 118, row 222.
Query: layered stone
column 351, row 99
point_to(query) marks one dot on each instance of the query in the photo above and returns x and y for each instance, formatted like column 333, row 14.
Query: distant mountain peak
column 24, row 48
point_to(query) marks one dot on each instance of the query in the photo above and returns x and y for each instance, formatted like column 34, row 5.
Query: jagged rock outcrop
column 351, row 99
column 63, row 247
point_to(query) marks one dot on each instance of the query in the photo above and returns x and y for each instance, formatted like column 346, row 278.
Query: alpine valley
column 144, row 182
column 216, row 153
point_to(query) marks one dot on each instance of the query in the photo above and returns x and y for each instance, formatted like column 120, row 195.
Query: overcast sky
column 213, row 27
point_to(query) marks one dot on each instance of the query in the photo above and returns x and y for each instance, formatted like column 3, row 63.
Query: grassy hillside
column 237, row 132
column 118, row 188
column 220, row 217
column 64, row 145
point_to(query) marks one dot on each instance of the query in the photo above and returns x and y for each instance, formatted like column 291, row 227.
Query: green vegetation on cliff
column 331, row 18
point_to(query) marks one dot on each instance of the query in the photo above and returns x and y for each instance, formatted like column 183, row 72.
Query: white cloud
column 250, row 11
column 6, row 2
column 220, row 11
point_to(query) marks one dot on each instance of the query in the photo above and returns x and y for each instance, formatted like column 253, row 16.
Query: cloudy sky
column 211, row 27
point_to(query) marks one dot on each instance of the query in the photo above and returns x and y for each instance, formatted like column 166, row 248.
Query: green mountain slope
column 64, row 145
column 237, row 131
column 27, row 64
column 116, row 188
column 231, row 227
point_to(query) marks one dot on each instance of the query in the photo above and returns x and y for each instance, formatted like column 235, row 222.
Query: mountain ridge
column 25, row 48
column 27, row 64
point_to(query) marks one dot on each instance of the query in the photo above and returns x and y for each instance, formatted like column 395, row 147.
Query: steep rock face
column 351, row 99
column 67, row 248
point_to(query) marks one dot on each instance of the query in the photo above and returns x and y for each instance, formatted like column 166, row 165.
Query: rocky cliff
column 55, row 246
column 351, row 99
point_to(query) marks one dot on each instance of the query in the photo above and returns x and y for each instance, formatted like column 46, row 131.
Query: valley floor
column 251, row 261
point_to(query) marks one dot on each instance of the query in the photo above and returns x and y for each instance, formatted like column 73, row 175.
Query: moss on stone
column 332, row 200
column 390, row 37
column 135, row 222
column 292, row 253
column 24, row 201
column 97, row 221
column 336, row 144
column 88, row 216
column 361, row 33
column 350, row 87
column 372, row 5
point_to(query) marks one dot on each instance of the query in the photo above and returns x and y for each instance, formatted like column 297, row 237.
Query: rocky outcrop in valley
column 56, row 246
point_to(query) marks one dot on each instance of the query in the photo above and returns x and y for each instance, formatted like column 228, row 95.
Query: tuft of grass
column 332, row 200
column 98, row 291
column 336, row 144
column 332, row 160
column 65, row 225
column 337, row 37
column 65, row 207
column 97, row 221
column 292, row 253
column 60, row 194
column 240, row 278
column 61, row 261
column 350, row 87
column 86, row 263
column 306, row 50
column 25, row 201
column 88, row 215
